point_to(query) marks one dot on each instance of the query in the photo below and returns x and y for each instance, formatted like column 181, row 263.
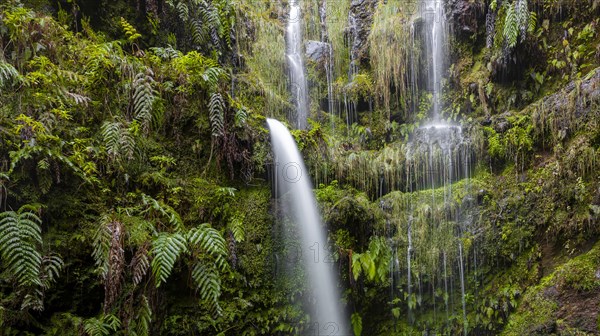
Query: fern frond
column 51, row 267
column 208, row 283
column 522, row 16
column 532, row 22
column 212, row 75
column 103, row 326
column 143, row 99
column 511, row 27
column 140, row 264
column 164, row 210
column 20, row 237
column 208, row 239
column 143, row 318
column 200, row 32
column 116, row 262
column 182, row 11
column 118, row 141
column 166, row 248
column 101, row 244
column 236, row 225
column 8, row 75
column 130, row 31
column 210, row 16
column 216, row 109
column 167, row 53
column 241, row 115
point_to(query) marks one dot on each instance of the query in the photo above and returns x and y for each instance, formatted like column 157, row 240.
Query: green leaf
column 356, row 321
column 166, row 249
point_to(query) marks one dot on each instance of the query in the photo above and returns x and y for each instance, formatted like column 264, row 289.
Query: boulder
column 317, row 51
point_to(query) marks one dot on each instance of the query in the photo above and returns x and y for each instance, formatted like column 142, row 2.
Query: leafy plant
column 216, row 109
column 103, row 326
column 20, row 239
column 166, row 249
column 143, row 100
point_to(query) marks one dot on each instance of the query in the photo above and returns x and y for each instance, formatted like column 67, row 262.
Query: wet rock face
column 465, row 16
column 360, row 20
column 317, row 51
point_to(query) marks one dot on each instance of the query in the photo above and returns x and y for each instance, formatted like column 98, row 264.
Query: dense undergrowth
column 134, row 167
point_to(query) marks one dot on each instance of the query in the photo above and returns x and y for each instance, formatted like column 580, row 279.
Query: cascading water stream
column 294, row 189
column 436, row 19
column 298, row 81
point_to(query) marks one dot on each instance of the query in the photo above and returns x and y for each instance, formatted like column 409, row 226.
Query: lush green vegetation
column 134, row 169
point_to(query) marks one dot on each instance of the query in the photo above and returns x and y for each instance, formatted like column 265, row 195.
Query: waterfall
column 295, row 191
column 435, row 18
column 298, row 81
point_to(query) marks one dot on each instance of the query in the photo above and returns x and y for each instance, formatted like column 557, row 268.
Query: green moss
column 580, row 272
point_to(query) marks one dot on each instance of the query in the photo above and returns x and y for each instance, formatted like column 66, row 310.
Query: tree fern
column 143, row 99
column 20, row 237
column 208, row 283
column 216, row 108
column 166, row 248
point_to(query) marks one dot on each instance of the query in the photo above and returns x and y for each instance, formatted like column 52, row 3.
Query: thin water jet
column 295, row 190
column 298, row 82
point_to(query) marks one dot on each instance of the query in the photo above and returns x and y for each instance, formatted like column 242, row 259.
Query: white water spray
column 292, row 179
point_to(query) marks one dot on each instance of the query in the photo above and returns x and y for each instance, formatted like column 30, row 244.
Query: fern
column 119, row 142
column 357, row 326
column 166, row 248
column 140, row 264
column 102, row 239
column 236, row 225
column 143, row 99
column 164, row 210
column 208, row 283
column 20, row 237
column 143, row 319
column 241, row 115
column 518, row 22
column 8, row 74
column 212, row 74
column 216, row 109
column 167, row 53
column 131, row 33
column 50, row 270
column 522, row 15
column 182, row 11
column 208, row 239
column 103, row 326
column 511, row 28
column 200, row 33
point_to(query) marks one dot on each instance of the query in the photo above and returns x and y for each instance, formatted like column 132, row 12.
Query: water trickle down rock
column 317, row 51
column 360, row 20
